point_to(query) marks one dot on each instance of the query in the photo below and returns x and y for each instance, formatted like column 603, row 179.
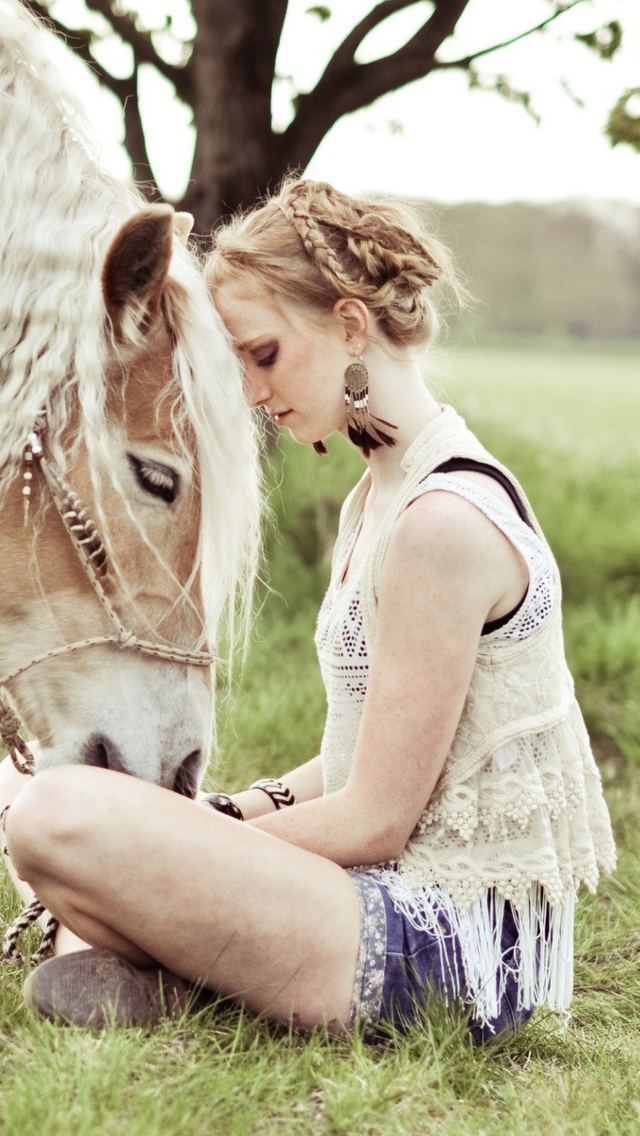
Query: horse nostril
column 186, row 779
column 100, row 757
column 101, row 752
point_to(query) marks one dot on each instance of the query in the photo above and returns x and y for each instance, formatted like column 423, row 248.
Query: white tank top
column 340, row 638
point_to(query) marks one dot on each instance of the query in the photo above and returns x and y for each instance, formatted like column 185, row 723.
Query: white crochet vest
column 518, row 812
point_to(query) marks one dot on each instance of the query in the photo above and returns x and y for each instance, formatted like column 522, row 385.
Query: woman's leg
column 137, row 869
column 12, row 783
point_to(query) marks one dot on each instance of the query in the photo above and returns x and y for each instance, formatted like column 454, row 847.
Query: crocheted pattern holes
column 340, row 636
column 344, row 665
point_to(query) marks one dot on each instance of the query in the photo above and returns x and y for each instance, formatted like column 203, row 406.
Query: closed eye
column 266, row 356
column 156, row 479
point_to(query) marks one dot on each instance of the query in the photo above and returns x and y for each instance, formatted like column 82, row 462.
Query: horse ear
column 135, row 270
column 182, row 226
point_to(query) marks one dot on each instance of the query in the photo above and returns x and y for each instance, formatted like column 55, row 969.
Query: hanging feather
column 361, row 425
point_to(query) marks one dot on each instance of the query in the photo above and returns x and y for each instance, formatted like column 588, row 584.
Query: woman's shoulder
column 439, row 516
column 447, row 534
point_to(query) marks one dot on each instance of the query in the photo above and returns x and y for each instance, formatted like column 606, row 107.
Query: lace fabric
column 341, row 641
column 518, row 810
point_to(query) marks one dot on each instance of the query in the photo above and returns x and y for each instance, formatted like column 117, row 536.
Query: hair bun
column 375, row 251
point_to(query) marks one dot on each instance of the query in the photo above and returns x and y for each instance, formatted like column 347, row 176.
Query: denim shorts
column 400, row 969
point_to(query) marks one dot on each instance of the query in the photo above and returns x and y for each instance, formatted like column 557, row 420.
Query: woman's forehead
column 250, row 311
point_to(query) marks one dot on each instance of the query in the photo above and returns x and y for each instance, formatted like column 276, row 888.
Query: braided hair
column 310, row 245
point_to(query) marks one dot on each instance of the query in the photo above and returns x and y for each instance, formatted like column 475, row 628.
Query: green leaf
column 624, row 121
column 321, row 11
column 605, row 40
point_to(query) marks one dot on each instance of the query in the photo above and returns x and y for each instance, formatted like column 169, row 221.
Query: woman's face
column 292, row 367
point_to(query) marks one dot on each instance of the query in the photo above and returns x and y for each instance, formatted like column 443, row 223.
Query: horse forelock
column 208, row 377
column 59, row 212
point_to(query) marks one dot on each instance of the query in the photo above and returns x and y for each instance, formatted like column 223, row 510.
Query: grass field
column 585, row 401
column 568, row 424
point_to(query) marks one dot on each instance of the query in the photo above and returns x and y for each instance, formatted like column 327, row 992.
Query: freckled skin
column 307, row 374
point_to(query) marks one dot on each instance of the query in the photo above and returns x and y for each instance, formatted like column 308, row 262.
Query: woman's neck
column 398, row 395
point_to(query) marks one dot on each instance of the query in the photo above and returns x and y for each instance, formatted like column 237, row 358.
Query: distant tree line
column 560, row 271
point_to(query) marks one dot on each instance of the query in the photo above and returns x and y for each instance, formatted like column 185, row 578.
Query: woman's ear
column 355, row 318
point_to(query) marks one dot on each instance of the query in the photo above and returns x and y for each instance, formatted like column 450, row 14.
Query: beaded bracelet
column 277, row 791
column 223, row 804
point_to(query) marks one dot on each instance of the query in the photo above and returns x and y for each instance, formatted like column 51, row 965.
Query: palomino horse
column 109, row 343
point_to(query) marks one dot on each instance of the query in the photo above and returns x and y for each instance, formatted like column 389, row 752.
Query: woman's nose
column 256, row 391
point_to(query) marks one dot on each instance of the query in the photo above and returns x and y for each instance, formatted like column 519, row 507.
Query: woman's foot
column 99, row 988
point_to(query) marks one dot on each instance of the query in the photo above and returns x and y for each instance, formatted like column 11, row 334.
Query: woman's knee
column 44, row 822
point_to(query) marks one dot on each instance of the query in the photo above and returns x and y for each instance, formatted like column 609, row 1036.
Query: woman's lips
column 279, row 418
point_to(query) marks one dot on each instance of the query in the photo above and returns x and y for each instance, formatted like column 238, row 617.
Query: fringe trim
column 541, row 964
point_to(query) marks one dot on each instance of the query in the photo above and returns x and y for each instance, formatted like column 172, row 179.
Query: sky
column 436, row 138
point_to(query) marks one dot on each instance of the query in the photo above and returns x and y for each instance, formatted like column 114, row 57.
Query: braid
column 299, row 215
column 362, row 248
column 312, row 244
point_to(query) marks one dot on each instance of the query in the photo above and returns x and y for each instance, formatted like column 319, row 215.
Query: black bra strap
column 473, row 466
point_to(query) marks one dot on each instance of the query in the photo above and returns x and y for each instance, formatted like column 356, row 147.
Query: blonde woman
column 435, row 847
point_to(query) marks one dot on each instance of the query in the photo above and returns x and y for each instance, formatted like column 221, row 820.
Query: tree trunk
column 232, row 71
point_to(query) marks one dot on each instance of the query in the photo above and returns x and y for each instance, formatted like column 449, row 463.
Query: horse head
column 140, row 498
column 106, row 327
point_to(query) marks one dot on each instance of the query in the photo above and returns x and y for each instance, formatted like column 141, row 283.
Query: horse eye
column 156, row 479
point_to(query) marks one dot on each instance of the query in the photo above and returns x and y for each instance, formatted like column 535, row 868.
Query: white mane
column 59, row 212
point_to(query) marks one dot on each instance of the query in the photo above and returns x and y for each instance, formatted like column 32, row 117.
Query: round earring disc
column 356, row 377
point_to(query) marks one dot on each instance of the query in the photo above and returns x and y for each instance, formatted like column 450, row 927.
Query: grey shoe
column 99, row 988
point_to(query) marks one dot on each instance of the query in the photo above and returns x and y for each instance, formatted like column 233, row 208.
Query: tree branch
column 135, row 141
column 467, row 60
column 346, row 86
column 82, row 38
column 79, row 42
column 143, row 49
column 377, row 15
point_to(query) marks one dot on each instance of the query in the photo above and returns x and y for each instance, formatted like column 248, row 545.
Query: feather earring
column 361, row 424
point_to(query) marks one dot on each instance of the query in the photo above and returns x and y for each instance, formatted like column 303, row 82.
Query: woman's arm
column 446, row 569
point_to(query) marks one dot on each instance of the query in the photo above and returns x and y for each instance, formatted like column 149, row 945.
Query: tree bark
column 232, row 73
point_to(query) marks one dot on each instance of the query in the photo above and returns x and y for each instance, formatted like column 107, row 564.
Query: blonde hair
column 310, row 245
column 59, row 212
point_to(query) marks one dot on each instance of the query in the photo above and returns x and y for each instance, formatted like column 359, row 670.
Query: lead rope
column 24, row 921
column 90, row 549
column 24, row 762
column 10, row 726
column 36, row 908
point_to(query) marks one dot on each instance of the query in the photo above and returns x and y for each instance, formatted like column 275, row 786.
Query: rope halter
column 91, row 552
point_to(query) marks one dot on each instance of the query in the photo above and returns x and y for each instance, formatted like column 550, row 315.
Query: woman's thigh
column 215, row 900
